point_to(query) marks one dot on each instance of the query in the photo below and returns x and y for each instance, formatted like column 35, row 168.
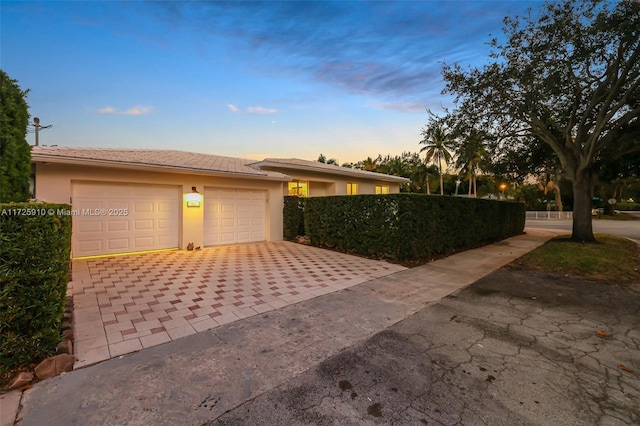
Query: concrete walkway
column 199, row 377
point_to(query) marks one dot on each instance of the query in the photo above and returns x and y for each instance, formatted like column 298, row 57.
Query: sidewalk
column 198, row 378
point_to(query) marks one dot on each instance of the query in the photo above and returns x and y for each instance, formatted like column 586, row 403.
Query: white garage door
column 234, row 216
column 114, row 218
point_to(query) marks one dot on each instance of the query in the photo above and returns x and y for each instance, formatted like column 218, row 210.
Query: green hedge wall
column 293, row 217
column 408, row 226
column 35, row 246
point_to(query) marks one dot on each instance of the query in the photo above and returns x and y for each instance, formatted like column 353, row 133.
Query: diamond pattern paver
column 126, row 303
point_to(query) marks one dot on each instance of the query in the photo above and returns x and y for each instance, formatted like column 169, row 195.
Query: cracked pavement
column 515, row 348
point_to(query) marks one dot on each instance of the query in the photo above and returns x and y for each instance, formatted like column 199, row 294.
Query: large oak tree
column 567, row 76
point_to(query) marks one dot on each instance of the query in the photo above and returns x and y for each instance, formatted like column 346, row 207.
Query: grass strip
column 610, row 258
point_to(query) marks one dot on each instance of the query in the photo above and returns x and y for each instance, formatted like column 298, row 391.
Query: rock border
column 61, row 362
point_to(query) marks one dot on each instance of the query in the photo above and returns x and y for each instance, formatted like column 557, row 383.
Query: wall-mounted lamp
column 193, row 198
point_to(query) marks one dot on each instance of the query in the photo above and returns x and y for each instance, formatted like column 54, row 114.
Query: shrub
column 293, row 217
column 627, row 206
column 35, row 247
column 408, row 226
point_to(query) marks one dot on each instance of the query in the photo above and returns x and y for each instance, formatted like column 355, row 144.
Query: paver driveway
column 126, row 303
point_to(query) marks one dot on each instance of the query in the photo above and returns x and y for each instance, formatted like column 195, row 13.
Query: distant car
column 600, row 211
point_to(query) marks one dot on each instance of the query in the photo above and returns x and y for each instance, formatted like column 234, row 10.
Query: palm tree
column 370, row 164
column 323, row 159
column 396, row 166
column 472, row 158
column 435, row 138
column 420, row 177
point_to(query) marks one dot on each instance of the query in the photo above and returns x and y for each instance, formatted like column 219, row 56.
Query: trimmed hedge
column 293, row 217
column 408, row 226
column 35, row 246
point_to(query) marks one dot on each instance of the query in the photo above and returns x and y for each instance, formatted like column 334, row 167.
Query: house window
column 352, row 189
column 382, row 189
column 298, row 188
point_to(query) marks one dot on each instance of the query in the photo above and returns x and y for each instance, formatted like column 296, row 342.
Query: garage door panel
column 89, row 226
column 152, row 220
column 165, row 207
column 227, row 208
column 227, row 222
column 91, row 245
column 118, row 204
column 234, row 216
column 118, row 225
column 119, row 244
column 244, row 237
column 227, row 237
column 165, row 224
column 142, row 243
column 227, row 195
column 143, row 225
column 143, row 207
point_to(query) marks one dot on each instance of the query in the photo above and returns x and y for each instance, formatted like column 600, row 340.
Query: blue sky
column 245, row 79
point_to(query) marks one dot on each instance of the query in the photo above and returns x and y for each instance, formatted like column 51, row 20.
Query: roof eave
column 346, row 172
column 45, row 158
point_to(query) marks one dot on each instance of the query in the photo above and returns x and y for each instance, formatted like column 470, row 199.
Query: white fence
column 549, row 215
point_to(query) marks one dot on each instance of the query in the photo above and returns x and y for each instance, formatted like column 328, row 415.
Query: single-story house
column 129, row 200
column 314, row 179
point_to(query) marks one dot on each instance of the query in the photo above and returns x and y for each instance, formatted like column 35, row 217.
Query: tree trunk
column 440, row 168
column 582, row 197
column 557, row 192
column 475, row 186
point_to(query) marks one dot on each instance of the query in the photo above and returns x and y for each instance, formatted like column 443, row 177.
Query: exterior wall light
column 194, row 198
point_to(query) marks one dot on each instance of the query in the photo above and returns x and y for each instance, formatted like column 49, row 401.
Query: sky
column 289, row 79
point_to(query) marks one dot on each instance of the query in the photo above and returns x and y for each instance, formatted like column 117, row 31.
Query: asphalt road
column 629, row 229
column 515, row 348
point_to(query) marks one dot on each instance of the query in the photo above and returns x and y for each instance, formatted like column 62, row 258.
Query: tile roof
column 315, row 166
column 153, row 158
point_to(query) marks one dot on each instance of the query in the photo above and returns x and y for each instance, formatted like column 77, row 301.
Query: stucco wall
column 54, row 184
column 320, row 185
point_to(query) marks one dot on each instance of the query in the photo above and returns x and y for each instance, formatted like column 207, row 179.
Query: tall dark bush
column 408, row 226
column 35, row 246
column 293, row 217
column 15, row 152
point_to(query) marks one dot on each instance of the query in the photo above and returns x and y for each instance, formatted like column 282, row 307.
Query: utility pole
column 37, row 126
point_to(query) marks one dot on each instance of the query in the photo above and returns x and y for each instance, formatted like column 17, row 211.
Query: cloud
column 260, row 110
column 107, row 110
column 393, row 49
column 402, row 107
column 232, row 107
column 136, row 110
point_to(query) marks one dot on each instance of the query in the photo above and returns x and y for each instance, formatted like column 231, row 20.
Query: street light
column 502, row 187
column 38, row 127
column 458, row 182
